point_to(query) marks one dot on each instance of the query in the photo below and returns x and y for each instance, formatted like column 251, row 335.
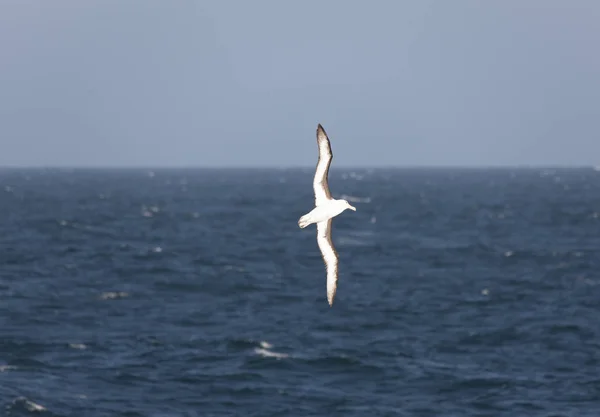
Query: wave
column 354, row 199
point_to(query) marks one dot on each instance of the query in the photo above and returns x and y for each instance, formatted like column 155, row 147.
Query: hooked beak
column 351, row 207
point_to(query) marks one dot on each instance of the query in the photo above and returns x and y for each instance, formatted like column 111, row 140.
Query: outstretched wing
column 320, row 184
column 330, row 257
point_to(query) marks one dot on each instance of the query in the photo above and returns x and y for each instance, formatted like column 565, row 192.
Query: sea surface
column 462, row 292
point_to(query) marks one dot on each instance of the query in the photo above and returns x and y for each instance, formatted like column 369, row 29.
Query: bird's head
column 348, row 206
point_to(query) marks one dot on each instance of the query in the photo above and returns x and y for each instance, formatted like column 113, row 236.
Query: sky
column 219, row 83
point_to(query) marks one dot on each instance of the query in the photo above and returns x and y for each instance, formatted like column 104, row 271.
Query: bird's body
column 323, row 212
column 326, row 208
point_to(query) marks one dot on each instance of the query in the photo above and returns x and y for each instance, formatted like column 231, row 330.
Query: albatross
column 326, row 208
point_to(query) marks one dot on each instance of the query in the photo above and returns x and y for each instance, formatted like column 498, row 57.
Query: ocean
column 193, row 292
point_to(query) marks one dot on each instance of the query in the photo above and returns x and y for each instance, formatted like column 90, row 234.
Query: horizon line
column 292, row 167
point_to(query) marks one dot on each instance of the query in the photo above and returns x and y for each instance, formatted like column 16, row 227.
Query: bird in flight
column 326, row 208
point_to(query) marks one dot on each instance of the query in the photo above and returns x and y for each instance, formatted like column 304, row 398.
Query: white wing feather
column 320, row 184
column 330, row 257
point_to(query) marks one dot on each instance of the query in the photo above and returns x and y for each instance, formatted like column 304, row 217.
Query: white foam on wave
column 234, row 268
column 79, row 346
column 265, row 345
column 264, row 351
column 354, row 199
column 269, row 354
column 353, row 175
column 113, row 295
column 149, row 211
column 29, row 405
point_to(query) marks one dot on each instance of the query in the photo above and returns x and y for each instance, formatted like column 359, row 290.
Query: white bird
column 326, row 208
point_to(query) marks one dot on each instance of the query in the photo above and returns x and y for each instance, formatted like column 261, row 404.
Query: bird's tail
column 304, row 221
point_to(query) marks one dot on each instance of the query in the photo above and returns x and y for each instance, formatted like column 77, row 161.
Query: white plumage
column 326, row 208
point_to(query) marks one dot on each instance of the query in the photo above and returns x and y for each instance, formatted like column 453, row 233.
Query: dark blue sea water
column 194, row 293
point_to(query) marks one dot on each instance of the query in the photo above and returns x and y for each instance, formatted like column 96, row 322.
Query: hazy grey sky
column 215, row 83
